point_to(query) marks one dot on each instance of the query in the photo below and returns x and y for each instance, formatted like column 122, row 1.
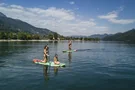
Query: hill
column 128, row 36
column 100, row 36
column 14, row 25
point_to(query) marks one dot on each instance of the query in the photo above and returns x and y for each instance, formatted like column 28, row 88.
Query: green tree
column 22, row 36
column 29, row 37
column 10, row 35
column 14, row 36
column 1, row 35
column 50, row 36
column 36, row 36
column 55, row 36
column 81, row 38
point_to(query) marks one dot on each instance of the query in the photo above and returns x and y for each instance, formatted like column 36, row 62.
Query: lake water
column 97, row 66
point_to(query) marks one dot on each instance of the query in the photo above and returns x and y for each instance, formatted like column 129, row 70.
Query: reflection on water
column 7, row 48
column 2, row 63
column 46, row 72
column 69, row 56
column 56, row 71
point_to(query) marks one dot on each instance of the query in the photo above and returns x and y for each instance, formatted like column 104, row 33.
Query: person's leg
column 57, row 62
column 45, row 58
column 70, row 47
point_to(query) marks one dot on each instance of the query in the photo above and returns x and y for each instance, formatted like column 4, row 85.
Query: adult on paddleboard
column 46, row 51
column 69, row 44
column 56, row 61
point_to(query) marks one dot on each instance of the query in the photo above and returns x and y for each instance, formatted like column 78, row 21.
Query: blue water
column 97, row 66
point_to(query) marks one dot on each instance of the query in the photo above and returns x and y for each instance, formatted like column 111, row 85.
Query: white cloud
column 16, row 6
column 122, row 21
column 72, row 2
column 112, row 17
column 109, row 16
column 60, row 20
column 2, row 4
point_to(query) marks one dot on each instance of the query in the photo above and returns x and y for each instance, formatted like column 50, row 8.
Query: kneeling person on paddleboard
column 56, row 61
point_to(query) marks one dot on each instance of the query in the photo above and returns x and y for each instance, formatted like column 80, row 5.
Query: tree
column 36, row 36
column 50, row 36
column 2, row 35
column 10, row 35
column 81, row 38
column 22, row 36
column 55, row 36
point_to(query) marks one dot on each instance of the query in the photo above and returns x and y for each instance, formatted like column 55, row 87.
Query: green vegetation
column 81, row 38
column 17, row 29
column 50, row 36
column 29, row 36
column 18, row 35
column 128, row 36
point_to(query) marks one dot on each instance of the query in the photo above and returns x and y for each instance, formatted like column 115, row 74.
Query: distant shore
column 3, row 40
column 12, row 40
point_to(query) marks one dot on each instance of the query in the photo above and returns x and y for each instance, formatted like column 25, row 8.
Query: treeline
column 28, row 36
column 50, row 36
column 18, row 35
column 81, row 38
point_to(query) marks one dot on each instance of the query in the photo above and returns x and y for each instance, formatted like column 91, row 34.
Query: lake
column 95, row 66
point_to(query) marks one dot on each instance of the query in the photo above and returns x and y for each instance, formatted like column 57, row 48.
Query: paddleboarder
column 46, row 51
column 56, row 61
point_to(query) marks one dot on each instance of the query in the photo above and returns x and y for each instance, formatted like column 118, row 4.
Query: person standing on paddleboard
column 69, row 44
column 46, row 51
column 56, row 61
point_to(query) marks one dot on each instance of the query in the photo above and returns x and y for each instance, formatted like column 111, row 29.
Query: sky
column 74, row 17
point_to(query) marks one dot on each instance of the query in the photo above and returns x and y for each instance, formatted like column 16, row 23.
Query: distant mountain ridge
column 2, row 15
column 100, row 36
column 15, row 25
column 128, row 36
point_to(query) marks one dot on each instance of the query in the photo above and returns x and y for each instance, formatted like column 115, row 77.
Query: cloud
column 16, row 6
column 112, row 17
column 109, row 16
column 72, row 2
column 60, row 20
column 2, row 4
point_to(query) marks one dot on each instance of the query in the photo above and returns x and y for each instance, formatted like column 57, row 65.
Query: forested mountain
column 100, row 36
column 15, row 25
column 128, row 36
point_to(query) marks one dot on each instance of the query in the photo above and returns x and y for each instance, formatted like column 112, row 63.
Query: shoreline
column 12, row 40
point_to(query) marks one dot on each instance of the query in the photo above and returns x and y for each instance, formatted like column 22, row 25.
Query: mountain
column 77, row 36
column 100, row 36
column 128, row 36
column 15, row 25
column 2, row 15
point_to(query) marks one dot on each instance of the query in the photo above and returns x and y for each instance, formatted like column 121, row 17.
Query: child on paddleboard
column 56, row 61
column 46, row 50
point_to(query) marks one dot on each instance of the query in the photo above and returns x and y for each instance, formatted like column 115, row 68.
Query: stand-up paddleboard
column 66, row 51
column 50, row 63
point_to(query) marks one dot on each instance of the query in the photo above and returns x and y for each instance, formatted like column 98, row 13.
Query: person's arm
column 46, row 52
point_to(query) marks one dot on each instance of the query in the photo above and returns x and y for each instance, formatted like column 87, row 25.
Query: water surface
column 97, row 66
